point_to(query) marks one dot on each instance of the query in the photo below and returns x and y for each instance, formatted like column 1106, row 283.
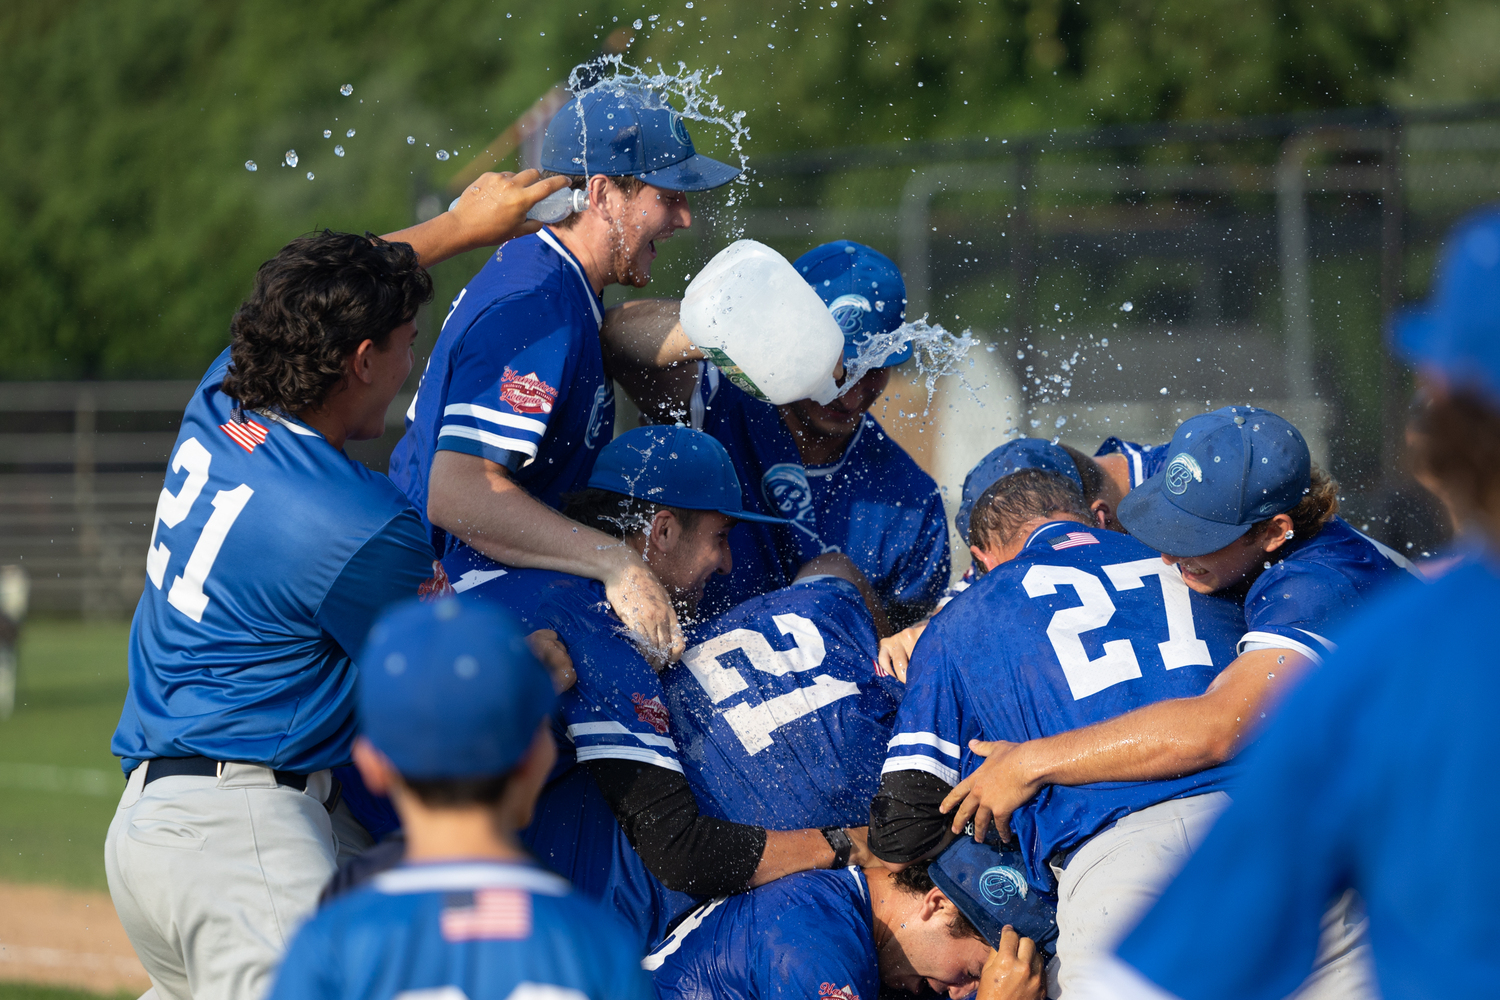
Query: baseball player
column 619, row 818
column 780, row 720
column 944, row 926
column 516, row 402
column 1072, row 625
column 452, row 710
column 271, row 554
column 842, row 484
column 1381, row 758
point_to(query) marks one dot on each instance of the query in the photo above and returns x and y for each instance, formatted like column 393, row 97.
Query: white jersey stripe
column 460, row 877
column 924, row 739
column 615, row 729
column 918, row 763
column 495, row 417
column 612, row 751
column 527, row 448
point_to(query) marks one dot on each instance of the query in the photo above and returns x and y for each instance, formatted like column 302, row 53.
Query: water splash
column 935, row 352
column 684, row 91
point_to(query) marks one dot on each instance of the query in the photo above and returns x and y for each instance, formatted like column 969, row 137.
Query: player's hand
column 547, row 646
column 999, row 787
column 861, row 854
column 493, row 208
column 895, row 652
column 1013, row 971
column 642, row 604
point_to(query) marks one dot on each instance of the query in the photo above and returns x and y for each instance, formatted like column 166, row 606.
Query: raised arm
column 489, row 212
column 646, row 349
column 1160, row 741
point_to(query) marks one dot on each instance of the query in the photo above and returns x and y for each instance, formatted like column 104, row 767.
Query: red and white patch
column 247, row 435
column 1073, row 539
column 526, row 393
column 497, row 915
column 652, row 712
column 828, row 991
column 436, row 586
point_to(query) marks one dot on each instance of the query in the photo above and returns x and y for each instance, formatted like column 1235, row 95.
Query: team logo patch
column 849, row 312
column 435, row 587
column 526, row 393
column 680, row 132
column 494, row 915
column 828, row 991
column 1182, row 470
column 652, row 712
column 1003, row 883
column 247, row 435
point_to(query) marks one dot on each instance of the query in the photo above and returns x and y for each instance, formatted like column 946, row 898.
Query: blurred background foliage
column 133, row 227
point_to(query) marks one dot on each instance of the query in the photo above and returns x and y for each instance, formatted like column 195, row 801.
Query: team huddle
column 694, row 711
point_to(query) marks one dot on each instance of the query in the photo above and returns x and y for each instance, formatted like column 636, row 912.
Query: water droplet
column 442, row 154
column 250, row 166
column 1126, row 307
column 1163, row 390
column 291, row 158
column 309, row 175
column 411, row 140
column 338, row 150
column 347, row 89
column 349, row 134
column 1281, row 659
column 328, row 133
column 1056, row 306
column 638, row 23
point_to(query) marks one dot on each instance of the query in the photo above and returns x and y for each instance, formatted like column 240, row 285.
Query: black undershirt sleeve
column 686, row 851
column 904, row 820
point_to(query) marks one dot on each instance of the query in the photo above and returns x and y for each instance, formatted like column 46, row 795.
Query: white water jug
column 761, row 323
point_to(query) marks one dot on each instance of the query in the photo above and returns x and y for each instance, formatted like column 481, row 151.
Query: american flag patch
column 1073, row 539
column 247, row 435
column 496, row 915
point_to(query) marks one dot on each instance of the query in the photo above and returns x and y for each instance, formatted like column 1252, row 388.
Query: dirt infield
column 65, row 937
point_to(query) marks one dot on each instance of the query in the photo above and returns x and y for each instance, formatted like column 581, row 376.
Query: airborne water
column 935, row 352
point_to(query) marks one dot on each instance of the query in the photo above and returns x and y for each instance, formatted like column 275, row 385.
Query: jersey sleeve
column 1291, row 608
column 390, row 567
column 1146, row 460
column 924, row 572
column 933, row 725
column 505, row 381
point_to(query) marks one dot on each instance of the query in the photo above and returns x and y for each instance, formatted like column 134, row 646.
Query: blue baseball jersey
column 875, row 505
column 1146, row 460
column 1083, row 625
column 780, row 718
column 451, row 930
column 270, row 557
column 615, row 712
column 809, row 936
column 1325, row 578
column 1375, row 774
column 516, row 376
column 469, row 571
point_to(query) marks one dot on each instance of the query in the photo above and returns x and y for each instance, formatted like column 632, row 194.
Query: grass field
column 29, row 991
column 58, row 781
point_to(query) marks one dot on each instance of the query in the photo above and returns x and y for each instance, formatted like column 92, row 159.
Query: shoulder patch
column 652, row 712
column 526, row 393
column 247, row 435
column 828, row 991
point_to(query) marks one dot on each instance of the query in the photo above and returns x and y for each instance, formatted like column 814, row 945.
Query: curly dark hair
column 314, row 303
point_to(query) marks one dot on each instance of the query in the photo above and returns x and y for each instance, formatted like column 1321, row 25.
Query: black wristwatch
column 838, row 839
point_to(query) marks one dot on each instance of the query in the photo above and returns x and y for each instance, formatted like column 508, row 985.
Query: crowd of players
column 693, row 711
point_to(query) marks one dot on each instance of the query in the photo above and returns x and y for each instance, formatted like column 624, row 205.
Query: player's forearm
column 790, row 851
column 646, row 349
column 476, row 501
column 435, row 240
column 1157, row 742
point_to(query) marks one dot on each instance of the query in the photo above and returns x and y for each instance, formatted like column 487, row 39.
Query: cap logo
column 679, row 130
column 848, row 312
column 1182, row 470
column 1001, row 884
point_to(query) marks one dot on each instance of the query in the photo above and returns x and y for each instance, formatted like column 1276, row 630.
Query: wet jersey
column 1083, row 625
column 809, row 936
column 1372, row 770
column 471, row 572
column 614, row 712
column 461, row 930
column 1146, row 460
column 1294, row 604
column 516, row 376
column 271, row 555
column 779, row 716
column 874, row 505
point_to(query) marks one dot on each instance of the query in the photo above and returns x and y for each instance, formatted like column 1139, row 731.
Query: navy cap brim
column 1151, row 517
column 745, row 515
column 696, row 173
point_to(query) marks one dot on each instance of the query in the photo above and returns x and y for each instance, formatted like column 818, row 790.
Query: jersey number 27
column 187, row 593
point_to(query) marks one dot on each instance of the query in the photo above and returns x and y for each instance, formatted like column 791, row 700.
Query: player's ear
column 1278, row 531
column 1104, row 517
column 985, row 558
column 666, row 530
column 373, row 766
column 934, row 903
column 358, row 362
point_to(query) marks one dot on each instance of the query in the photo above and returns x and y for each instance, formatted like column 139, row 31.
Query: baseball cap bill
column 987, row 882
column 673, row 466
column 626, row 132
column 1226, row 471
column 450, row 689
column 864, row 291
column 1012, row 456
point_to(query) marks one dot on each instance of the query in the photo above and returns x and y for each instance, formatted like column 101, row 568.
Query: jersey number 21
column 187, row 593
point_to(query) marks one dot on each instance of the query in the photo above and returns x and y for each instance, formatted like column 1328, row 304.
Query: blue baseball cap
column 1226, row 471
column 449, row 689
column 1012, row 456
column 987, row 882
column 628, row 132
column 674, row 466
column 864, row 291
column 1457, row 331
